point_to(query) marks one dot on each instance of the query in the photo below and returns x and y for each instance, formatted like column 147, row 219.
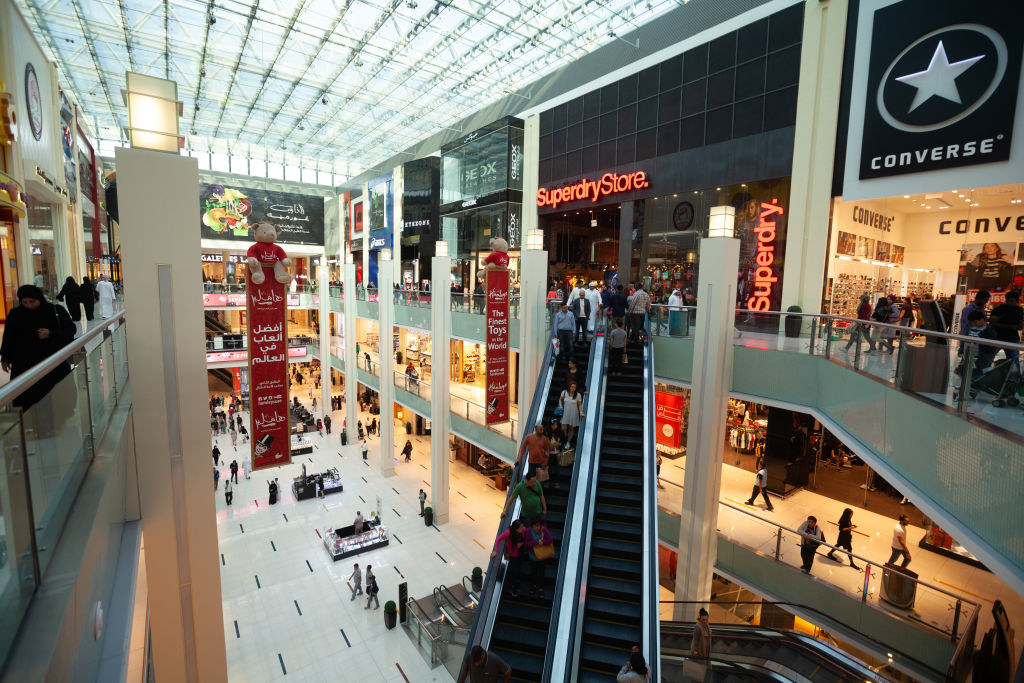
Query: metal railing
column 412, row 297
column 52, row 417
column 651, row 634
column 366, row 363
column 418, row 386
column 896, row 656
column 467, row 302
column 476, row 412
column 240, row 288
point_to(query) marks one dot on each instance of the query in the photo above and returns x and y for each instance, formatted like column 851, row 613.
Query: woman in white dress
column 571, row 403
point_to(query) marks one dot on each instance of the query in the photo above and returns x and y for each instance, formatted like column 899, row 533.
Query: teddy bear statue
column 498, row 258
column 265, row 254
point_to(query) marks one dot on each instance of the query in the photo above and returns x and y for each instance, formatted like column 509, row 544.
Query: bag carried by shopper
column 567, row 457
column 544, row 551
column 542, row 474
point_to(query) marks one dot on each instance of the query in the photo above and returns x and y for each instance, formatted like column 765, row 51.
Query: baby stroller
column 1001, row 380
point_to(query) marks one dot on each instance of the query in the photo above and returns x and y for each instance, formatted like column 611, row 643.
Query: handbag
column 625, row 357
column 567, row 457
column 694, row 669
column 542, row 474
column 544, row 551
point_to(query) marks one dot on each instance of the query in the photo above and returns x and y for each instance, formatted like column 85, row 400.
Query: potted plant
column 428, row 516
column 476, row 579
column 793, row 322
column 390, row 614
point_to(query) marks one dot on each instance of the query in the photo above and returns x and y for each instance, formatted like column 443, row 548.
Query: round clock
column 33, row 101
column 682, row 216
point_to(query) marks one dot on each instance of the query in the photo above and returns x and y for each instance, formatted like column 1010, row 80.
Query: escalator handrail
column 729, row 665
column 651, row 643
column 442, row 593
column 488, row 608
column 557, row 659
column 779, row 603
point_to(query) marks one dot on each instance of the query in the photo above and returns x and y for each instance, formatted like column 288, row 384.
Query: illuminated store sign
column 594, row 190
column 765, row 275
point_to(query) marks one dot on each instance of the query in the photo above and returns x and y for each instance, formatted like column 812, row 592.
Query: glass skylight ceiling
column 329, row 85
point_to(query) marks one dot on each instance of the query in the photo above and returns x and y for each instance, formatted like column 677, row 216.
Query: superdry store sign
column 938, row 90
column 593, row 190
column 497, row 345
column 230, row 211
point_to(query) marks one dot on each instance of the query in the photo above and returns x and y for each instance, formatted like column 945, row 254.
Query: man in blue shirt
column 618, row 304
column 979, row 304
column 565, row 328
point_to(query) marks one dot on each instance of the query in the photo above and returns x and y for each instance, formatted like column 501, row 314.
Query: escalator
column 215, row 324
column 521, row 628
column 224, row 376
column 455, row 604
column 613, row 618
column 796, row 656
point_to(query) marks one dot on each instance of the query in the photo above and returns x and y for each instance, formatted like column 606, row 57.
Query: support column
column 817, row 119
column 709, row 394
column 349, row 336
column 440, row 379
column 386, row 325
column 325, row 336
column 533, row 328
column 163, row 300
column 625, row 242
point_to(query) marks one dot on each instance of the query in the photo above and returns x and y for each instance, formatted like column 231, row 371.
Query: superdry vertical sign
column 938, row 88
column 268, row 372
column 497, row 345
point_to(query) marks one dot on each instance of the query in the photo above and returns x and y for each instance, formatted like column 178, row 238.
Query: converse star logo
column 939, row 79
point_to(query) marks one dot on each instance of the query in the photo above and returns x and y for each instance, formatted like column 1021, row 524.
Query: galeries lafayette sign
column 594, row 190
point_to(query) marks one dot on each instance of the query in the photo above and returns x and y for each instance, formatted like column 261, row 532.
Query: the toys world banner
column 497, row 345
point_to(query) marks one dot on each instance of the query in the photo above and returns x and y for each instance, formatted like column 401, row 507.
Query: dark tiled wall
column 740, row 84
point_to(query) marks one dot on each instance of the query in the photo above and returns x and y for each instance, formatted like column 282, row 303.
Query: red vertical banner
column 268, row 372
column 497, row 345
column 236, row 379
column 668, row 418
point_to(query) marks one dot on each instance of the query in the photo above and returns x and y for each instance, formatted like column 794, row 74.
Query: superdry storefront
column 629, row 172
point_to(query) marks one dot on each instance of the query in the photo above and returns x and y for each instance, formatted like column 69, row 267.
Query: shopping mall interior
column 673, row 341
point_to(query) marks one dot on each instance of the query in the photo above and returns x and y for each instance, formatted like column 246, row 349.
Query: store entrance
column 583, row 244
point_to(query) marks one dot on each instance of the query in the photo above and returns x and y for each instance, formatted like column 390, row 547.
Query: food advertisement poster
column 497, row 345
column 229, row 212
column 268, row 373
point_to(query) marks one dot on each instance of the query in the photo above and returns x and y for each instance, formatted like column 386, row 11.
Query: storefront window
column 42, row 217
column 484, row 166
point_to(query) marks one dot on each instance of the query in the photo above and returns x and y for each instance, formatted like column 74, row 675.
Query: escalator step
column 623, row 530
column 525, row 667
column 598, row 631
column 615, row 611
column 618, row 588
column 516, row 637
column 604, row 659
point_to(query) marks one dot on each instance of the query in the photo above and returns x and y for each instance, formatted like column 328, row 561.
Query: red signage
column 268, row 372
column 610, row 183
column 497, row 345
column 765, row 275
column 668, row 418
column 239, row 299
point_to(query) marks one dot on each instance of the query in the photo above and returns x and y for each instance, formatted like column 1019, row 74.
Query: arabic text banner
column 229, row 211
column 268, row 372
column 497, row 345
column 668, row 419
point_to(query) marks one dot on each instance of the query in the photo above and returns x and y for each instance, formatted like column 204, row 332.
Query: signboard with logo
column 382, row 212
column 935, row 97
column 229, row 211
column 668, row 418
column 242, row 356
column 497, row 346
column 268, row 372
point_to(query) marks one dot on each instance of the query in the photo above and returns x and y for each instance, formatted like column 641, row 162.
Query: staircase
column 613, row 616
column 520, row 633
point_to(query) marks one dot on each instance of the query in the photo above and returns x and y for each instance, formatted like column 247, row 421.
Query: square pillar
column 159, row 195
column 533, row 328
column 325, row 336
column 386, row 324
column 440, row 379
column 349, row 337
column 705, row 440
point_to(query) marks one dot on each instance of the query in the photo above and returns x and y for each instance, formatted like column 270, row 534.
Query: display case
column 938, row 541
column 305, row 486
column 341, row 543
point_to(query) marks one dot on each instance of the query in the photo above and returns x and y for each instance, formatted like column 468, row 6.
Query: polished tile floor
column 287, row 607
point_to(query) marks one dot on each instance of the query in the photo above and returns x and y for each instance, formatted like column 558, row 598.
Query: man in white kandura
column 105, row 292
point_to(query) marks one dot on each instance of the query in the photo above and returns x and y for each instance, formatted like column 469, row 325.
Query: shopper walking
column 594, row 301
column 105, row 297
column 899, row 542
column 540, row 549
column 87, row 295
column 228, row 492
column 233, row 433
column 565, row 326
column 356, row 578
column 845, row 538
column 1007, row 319
column 216, row 455
column 69, row 295
column 571, row 404
column 761, row 487
column 863, row 328
column 423, row 501
column 979, row 304
column 407, row 450
column 272, row 489
column 33, row 331
column 371, row 590
column 481, row 665
column 216, row 478
column 363, row 447
column 512, row 540
column 535, row 448
column 639, row 305
column 811, row 538
column 531, row 497
column 234, row 470
column 327, row 423
column 244, row 432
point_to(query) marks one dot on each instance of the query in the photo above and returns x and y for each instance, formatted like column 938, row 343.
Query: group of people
column 579, row 312
column 889, row 309
column 1003, row 323
column 78, row 296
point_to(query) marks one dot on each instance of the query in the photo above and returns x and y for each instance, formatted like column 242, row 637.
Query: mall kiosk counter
column 301, row 445
column 305, row 486
column 344, row 542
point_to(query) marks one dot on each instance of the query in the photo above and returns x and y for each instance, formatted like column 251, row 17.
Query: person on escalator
column 571, row 404
column 565, row 328
column 531, row 497
column 635, row 670
column 481, row 665
column 535, row 448
column 540, row 547
column 617, row 340
column 513, row 536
